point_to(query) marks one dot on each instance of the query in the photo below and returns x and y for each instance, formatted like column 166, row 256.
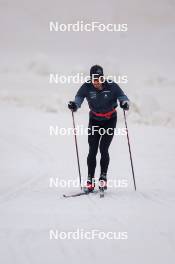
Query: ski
column 79, row 194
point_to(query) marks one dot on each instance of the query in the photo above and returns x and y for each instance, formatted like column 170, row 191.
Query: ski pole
column 129, row 146
column 76, row 146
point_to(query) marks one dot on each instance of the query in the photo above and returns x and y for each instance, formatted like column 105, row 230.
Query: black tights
column 103, row 141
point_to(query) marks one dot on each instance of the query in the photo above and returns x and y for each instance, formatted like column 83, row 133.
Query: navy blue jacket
column 101, row 101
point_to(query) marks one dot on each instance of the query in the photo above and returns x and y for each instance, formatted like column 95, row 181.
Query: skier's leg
column 105, row 142
column 93, row 140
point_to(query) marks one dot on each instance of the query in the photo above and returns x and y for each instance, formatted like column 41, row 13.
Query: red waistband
column 107, row 115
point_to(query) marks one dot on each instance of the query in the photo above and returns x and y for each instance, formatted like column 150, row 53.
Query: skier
column 102, row 96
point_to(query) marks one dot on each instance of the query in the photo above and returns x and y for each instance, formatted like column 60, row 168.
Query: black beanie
column 96, row 71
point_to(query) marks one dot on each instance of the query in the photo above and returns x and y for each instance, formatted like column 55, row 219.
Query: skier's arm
column 79, row 98
column 81, row 94
column 121, row 97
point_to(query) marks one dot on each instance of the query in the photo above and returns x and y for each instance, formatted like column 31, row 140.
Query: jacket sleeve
column 120, row 95
column 81, row 94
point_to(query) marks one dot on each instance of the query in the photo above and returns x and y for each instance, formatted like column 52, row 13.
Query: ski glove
column 72, row 106
column 124, row 105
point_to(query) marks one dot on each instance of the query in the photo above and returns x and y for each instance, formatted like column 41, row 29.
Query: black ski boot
column 103, row 181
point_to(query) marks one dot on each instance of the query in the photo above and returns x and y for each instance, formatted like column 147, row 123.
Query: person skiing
column 102, row 96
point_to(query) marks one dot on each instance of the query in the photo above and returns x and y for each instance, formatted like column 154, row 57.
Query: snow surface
column 29, row 208
column 29, row 156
